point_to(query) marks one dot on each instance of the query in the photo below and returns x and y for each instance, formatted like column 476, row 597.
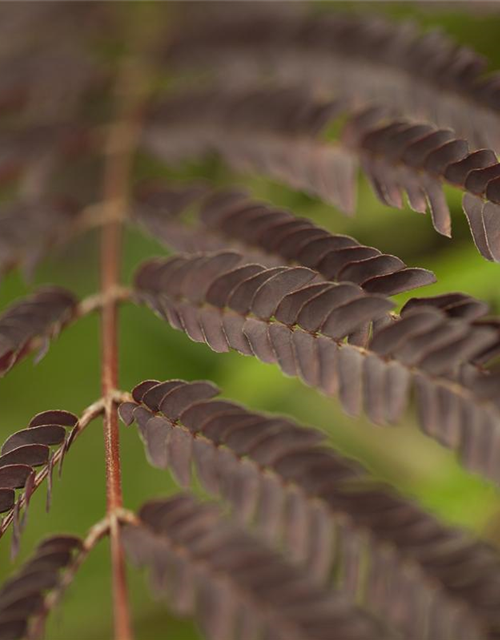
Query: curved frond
column 278, row 133
column 159, row 209
column 363, row 59
column 22, row 150
column 29, row 456
column 284, row 315
column 32, row 322
column 275, row 132
column 22, row 597
column 401, row 157
column 342, row 527
column 29, row 230
column 235, row 585
column 274, row 237
column 46, row 65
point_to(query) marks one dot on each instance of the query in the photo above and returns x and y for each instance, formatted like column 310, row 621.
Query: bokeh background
column 68, row 377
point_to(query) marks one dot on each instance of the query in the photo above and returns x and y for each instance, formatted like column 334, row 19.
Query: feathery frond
column 404, row 157
column 46, row 73
column 32, row 323
column 28, row 449
column 43, row 444
column 284, row 315
column 22, row 597
column 275, row 132
column 234, row 583
column 273, row 237
column 278, row 133
column 332, row 519
column 363, row 59
column 29, row 230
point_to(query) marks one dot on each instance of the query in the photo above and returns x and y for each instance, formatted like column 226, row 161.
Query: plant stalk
column 119, row 150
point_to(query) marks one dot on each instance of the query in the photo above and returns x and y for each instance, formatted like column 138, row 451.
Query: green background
column 68, row 377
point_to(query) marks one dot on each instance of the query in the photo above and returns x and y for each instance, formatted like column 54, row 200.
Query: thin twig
column 122, row 396
column 95, row 302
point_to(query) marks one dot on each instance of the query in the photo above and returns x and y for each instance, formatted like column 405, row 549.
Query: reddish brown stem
column 110, row 261
column 119, row 151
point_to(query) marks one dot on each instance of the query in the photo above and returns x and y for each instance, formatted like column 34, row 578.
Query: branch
column 97, row 301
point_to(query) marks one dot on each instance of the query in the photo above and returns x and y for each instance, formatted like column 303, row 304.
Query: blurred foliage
column 69, row 376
